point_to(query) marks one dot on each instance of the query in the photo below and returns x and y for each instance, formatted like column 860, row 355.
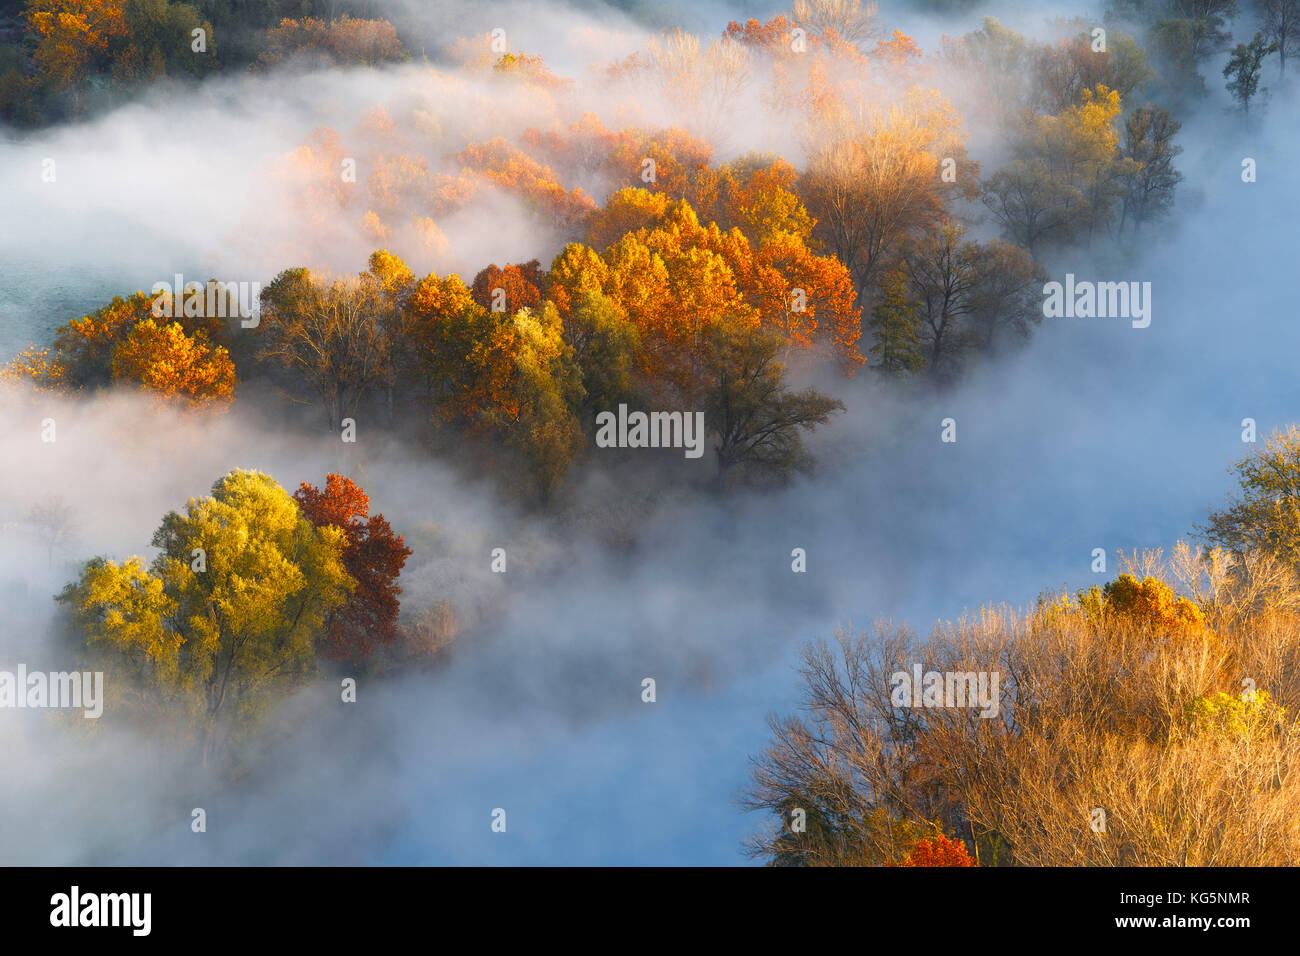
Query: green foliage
column 756, row 418
column 1266, row 517
column 1244, row 68
column 605, row 346
column 894, row 326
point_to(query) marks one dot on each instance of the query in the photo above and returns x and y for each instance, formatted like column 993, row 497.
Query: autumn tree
column 372, row 554
column 757, row 420
column 164, row 360
column 508, row 378
column 1067, row 178
column 389, row 285
column 1065, row 69
column 328, row 335
column 539, row 188
column 940, row 851
column 227, row 613
column 851, row 20
column 702, row 81
column 873, row 183
column 70, row 34
column 123, row 341
column 344, row 41
column 520, row 286
column 605, row 345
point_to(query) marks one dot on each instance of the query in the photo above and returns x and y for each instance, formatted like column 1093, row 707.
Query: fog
column 1095, row 435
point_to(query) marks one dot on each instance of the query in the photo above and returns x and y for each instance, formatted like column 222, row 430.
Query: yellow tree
column 164, row 360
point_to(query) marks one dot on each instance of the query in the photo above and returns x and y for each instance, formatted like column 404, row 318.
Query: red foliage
column 523, row 285
column 373, row 554
column 939, row 852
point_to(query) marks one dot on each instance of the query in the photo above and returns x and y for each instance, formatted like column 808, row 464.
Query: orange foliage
column 1153, row 603
column 71, row 33
column 504, row 165
column 346, row 40
column 165, row 360
column 939, row 852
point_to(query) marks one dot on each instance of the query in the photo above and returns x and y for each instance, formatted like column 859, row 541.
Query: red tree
column 373, row 554
column 939, row 852
column 522, row 283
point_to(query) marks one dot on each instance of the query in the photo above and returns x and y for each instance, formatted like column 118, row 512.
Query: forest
column 447, row 264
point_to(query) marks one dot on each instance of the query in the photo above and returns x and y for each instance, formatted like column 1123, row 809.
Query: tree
column 850, row 20
column 605, row 345
column 70, row 34
column 895, row 328
column 1281, row 27
column 757, row 420
column 1244, row 68
column 521, row 285
column 227, row 613
column 1266, row 516
column 51, row 520
column 702, row 82
column 158, row 41
column 372, row 554
column 1149, row 184
column 343, row 41
column 1065, row 69
column 1209, row 20
column 939, row 852
column 389, row 284
column 1171, row 45
column 943, row 271
column 174, row 365
column 1007, row 299
column 1066, row 180
column 872, row 183
column 511, row 379
column 328, row 335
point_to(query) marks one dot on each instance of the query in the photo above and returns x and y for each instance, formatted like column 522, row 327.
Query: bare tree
column 1280, row 24
column 851, row 19
column 51, row 520
column 328, row 334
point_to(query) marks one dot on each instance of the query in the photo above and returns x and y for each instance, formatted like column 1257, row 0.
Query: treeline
column 58, row 58
column 1148, row 722
column 695, row 283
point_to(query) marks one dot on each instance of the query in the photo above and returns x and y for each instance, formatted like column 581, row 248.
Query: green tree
column 1151, row 177
column 1244, row 68
column 1266, row 517
column 894, row 324
column 604, row 344
column 227, row 613
column 756, row 419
